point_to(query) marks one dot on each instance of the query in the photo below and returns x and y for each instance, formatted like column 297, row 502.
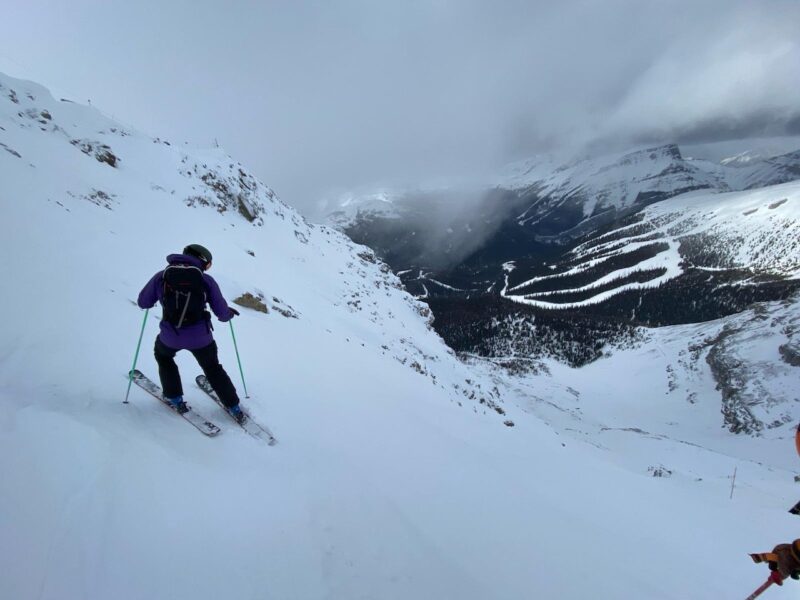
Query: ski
column 249, row 425
column 201, row 423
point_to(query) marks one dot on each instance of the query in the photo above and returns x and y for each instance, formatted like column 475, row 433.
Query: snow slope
column 669, row 392
column 757, row 230
column 393, row 477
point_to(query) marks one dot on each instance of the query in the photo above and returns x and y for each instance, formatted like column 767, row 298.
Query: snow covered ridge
column 564, row 200
column 117, row 192
column 210, row 177
column 588, row 193
column 756, row 231
column 352, row 207
column 742, row 159
column 615, row 181
column 633, row 171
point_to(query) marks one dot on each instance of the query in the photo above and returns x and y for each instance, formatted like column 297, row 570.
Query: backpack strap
column 183, row 312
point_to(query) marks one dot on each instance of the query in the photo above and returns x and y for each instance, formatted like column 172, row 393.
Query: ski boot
column 178, row 405
column 236, row 413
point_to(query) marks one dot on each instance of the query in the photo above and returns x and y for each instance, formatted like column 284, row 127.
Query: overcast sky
column 322, row 97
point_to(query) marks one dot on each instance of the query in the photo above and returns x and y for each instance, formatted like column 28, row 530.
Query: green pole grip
column 239, row 360
column 136, row 357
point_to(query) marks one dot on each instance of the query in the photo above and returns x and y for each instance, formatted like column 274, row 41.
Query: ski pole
column 772, row 579
column 135, row 357
column 760, row 590
column 239, row 360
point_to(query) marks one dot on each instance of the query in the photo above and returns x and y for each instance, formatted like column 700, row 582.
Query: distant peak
column 670, row 151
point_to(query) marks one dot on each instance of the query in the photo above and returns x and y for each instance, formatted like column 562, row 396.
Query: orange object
column 797, row 440
column 764, row 557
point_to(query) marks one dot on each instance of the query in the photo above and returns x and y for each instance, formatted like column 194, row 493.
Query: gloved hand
column 234, row 312
column 788, row 563
column 775, row 577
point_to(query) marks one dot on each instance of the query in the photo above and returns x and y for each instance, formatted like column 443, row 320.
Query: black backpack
column 184, row 298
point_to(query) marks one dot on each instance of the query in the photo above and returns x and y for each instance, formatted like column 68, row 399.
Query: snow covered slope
column 693, row 382
column 394, row 476
column 755, row 232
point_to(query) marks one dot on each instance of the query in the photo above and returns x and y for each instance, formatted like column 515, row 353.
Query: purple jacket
column 196, row 335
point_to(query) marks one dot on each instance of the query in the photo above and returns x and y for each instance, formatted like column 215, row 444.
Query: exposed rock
column 248, row 300
column 659, row 471
column 97, row 197
column 775, row 205
column 102, row 152
column 280, row 307
column 10, row 150
column 753, row 398
column 791, row 353
column 237, row 190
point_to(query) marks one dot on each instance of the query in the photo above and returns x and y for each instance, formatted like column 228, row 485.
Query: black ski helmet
column 198, row 251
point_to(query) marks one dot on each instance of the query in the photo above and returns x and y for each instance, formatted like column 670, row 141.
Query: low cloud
column 318, row 97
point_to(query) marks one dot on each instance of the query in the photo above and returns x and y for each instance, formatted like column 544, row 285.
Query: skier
column 184, row 288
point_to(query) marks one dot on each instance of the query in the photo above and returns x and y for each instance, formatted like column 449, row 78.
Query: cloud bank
column 323, row 96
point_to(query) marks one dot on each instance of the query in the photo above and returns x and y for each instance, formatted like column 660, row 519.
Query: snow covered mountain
column 593, row 191
column 663, row 243
column 397, row 473
column 743, row 159
column 557, row 201
column 689, row 259
column 568, row 200
column 694, row 258
column 537, row 208
column 743, row 235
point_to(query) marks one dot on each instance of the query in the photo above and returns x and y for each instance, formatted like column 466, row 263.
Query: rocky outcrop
column 758, row 389
column 101, row 152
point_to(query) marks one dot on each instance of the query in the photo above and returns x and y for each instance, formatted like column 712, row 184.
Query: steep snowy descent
column 395, row 476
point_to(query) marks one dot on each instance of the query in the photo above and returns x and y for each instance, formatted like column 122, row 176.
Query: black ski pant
column 207, row 358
